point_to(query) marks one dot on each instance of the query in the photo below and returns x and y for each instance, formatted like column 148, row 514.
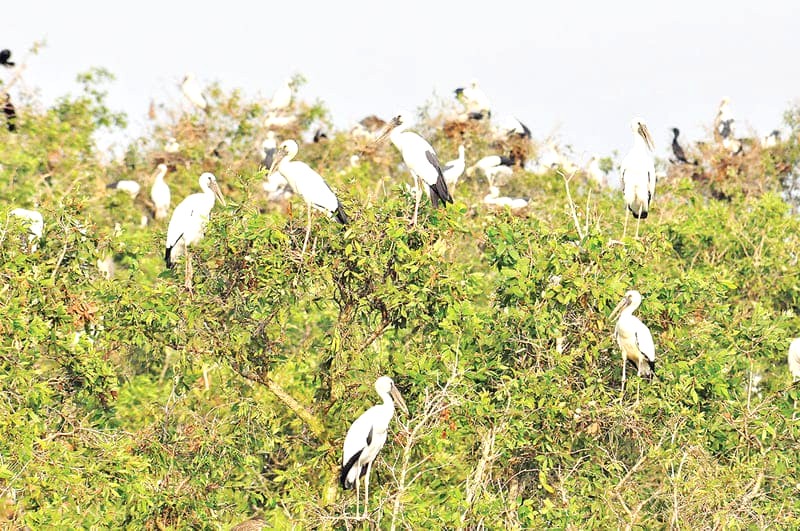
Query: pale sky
column 581, row 69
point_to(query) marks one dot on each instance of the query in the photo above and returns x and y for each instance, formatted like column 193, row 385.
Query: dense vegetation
column 128, row 402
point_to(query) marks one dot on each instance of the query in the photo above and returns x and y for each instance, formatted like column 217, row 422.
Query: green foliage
column 129, row 402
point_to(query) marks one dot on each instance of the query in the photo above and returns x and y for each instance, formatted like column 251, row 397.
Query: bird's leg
column 366, row 488
column 189, row 271
column 625, row 225
column 639, row 219
column 308, row 230
column 358, row 492
column 419, row 196
column 624, row 362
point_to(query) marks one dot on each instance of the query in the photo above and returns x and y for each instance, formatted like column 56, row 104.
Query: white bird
column 474, row 100
column 454, row 169
column 159, row 192
column 308, row 184
column 130, row 187
column 496, row 168
column 172, row 145
column 638, row 174
column 191, row 89
column 274, row 119
column 35, row 223
column 724, row 120
column 633, row 337
column 420, row 159
column 494, row 198
column 187, row 225
column 794, row 359
column 772, row 139
column 366, row 437
column 282, row 97
column 269, row 146
column 595, row 173
column 510, row 125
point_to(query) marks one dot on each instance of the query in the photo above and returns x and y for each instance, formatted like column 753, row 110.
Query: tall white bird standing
column 159, row 192
column 420, row 159
column 453, row 169
column 282, row 97
column 723, row 122
column 794, row 359
column 193, row 92
column 633, row 337
column 188, row 221
column 638, row 174
column 308, row 184
column 366, row 437
column 35, row 223
column 475, row 101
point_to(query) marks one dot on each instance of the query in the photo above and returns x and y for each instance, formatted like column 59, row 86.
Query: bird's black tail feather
column 638, row 214
column 168, row 258
column 346, row 470
column 341, row 215
column 439, row 191
column 652, row 365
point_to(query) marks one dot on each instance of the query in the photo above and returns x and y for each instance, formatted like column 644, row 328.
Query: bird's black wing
column 346, row 469
column 506, row 161
column 677, row 150
column 526, row 133
column 438, row 190
column 269, row 157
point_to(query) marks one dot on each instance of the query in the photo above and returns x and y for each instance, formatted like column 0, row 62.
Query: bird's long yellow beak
column 394, row 122
column 279, row 155
column 398, row 399
column 621, row 306
column 645, row 134
column 218, row 193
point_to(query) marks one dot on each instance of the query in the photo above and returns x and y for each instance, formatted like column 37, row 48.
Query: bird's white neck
column 640, row 144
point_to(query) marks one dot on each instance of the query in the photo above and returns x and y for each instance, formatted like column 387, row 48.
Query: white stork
column 494, row 167
column 130, row 187
column 282, row 97
column 188, row 223
column 633, row 337
column 35, row 223
column 159, row 192
column 638, row 174
column 493, row 198
column 420, row 159
column 269, row 146
column 191, row 89
column 474, row 100
column 453, row 169
column 794, row 359
column 308, row 184
column 366, row 437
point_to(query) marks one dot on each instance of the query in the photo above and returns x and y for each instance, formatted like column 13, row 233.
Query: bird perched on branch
column 366, row 437
column 308, row 184
column 638, row 174
column 474, row 100
column 420, row 159
column 188, row 221
column 11, row 114
column 677, row 150
column 193, row 92
column 159, row 192
column 5, row 55
column 633, row 337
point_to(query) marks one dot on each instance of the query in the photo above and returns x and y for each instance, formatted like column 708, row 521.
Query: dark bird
column 319, row 136
column 11, row 114
column 5, row 55
column 725, row 128
column 677, row 150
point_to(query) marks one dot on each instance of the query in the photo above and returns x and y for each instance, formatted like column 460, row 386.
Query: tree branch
column 311, row 421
